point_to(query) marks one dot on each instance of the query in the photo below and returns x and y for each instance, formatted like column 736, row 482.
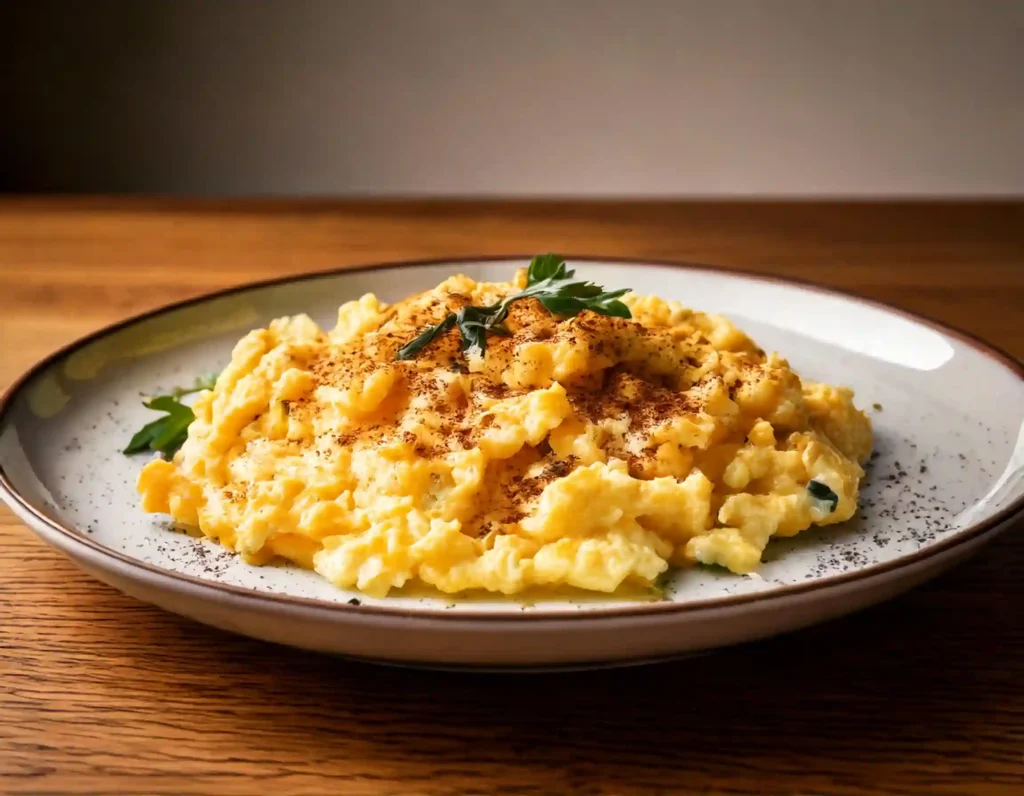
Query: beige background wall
column 783, row 97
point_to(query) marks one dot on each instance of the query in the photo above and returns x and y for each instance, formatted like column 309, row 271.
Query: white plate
column 948, row 476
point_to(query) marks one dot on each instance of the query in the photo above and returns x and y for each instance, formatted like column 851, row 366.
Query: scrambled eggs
column 585, row 451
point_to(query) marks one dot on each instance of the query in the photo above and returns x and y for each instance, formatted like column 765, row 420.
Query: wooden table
column 101, row 693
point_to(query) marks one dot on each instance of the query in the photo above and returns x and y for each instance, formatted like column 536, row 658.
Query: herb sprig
column 549, row 281
column 205, row 382
column 168, row 433
column 824, row 493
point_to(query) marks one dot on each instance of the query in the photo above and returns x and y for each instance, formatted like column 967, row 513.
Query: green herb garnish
column 205, row 382
column 820, row 491
column 664, row 580
column 547, row 280
column 168, row 433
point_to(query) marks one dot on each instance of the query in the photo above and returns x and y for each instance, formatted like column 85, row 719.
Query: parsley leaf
column 604, row 303
column 549, row 281
column 168, row 433
column 413, row 347
column 546, row 266
column 822, row 492
column 205, row 382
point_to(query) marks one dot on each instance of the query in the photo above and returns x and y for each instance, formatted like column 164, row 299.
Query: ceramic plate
column 948, row 475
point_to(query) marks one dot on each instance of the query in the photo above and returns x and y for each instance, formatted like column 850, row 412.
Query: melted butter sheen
column 586, row 452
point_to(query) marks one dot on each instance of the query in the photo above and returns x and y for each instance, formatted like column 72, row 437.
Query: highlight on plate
column 502, row 436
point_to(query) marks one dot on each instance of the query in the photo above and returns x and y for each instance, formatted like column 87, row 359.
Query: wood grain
column 99, row 693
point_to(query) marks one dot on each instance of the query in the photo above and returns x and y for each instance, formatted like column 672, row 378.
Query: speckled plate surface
column 948, row 474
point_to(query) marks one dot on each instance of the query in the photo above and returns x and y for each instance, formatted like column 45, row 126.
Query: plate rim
column 72, row 537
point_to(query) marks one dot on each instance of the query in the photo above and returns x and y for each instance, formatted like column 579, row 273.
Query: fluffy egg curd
column 587, row 451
